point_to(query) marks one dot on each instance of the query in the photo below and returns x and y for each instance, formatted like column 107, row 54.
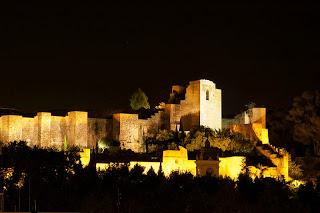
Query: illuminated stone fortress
column 198, row 104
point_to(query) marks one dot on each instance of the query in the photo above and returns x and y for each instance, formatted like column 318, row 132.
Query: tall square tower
column 202, row 105
column 210, row 105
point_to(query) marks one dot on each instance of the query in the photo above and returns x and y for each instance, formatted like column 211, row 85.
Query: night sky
column 93, row 56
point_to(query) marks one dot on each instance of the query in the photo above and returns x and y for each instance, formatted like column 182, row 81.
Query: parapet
column 231, row 166
column 203, row 81
column 11, row 128
column 181, row 153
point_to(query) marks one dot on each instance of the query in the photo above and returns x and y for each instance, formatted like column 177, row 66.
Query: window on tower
column 207, row 95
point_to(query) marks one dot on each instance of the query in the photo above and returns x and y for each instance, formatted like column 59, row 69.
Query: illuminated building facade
column 197, row 104
column 177, row 160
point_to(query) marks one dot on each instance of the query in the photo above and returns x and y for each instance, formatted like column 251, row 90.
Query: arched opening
column 207, row 95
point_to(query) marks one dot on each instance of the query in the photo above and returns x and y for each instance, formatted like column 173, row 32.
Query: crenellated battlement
column 46, row 130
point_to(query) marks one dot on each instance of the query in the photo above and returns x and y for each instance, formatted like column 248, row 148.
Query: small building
column 177, row 160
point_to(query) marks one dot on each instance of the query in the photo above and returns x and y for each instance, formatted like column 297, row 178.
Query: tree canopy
column 223, row 139
column 139, row 100
column 58, row 183
column 305, row 118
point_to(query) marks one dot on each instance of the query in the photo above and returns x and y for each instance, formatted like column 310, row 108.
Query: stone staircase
column 279, row 157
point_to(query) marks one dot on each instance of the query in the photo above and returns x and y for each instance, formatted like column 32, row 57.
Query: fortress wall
column 3, row 130
column 109, row 128
column 152, row 124
column 231, row 166
column 44, row 128
column 281, row 162
column 270, row 172
column 177, row 160
column 217, row 109
column 167, row 116
column 279, row 157
column 242, row 118
column 98, row 129
column 128, row 130
column 145, row 129
column 202, row 106
column 210, row 105
column 260, row 132
column 228, row 122
column 11, row 128
column 190, row 107
column 258, row 115
column 246, row 130
column 116, row 126
column 58, row 131
column 207, row 167
column 254, row 115
column 252, row 124
column 78, row 128
column 29, row 131
column 172, row 116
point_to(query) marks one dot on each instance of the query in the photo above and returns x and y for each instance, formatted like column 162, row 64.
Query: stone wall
column 210, row 105
column 99, row 129
column 11, row 127
column 207, row 167
column 78, row 128
column 127, row 129
column 44, row 127
column 190, row 107
column 177, row 161
column 279, row 157
column 172, row 160
column 45, row 130
column 172, row 116
column 258, row 115
column 228, row 122
column 201, row 106
column 30, row 131
column 231, row 166
column 130, row 131
column 251, row 124
column 153, row 124
column 58, row 131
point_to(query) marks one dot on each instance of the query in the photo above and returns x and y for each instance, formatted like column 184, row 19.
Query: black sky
column 93, row 56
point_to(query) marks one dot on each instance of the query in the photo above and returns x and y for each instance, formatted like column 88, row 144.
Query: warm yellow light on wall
column 173, row 160
column 105, row 166
column 177, row 160
column 261, row 133
column 85, row 157
column 146, row 165
column 231, row 166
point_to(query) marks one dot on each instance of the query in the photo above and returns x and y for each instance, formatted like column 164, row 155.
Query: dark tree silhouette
column 59, row 183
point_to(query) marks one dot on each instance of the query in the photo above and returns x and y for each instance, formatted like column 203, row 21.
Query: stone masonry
column 197, row 104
